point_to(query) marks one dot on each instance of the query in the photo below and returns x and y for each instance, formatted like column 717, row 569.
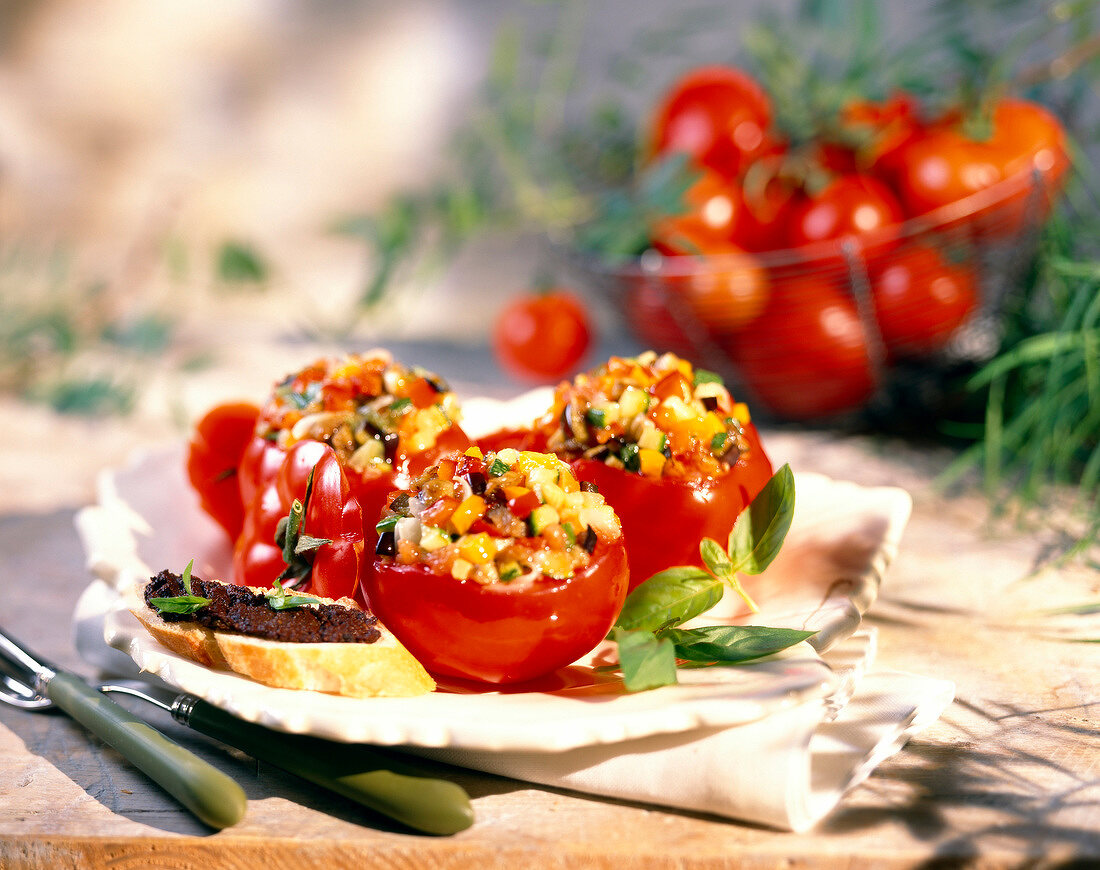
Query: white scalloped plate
column 842, row 539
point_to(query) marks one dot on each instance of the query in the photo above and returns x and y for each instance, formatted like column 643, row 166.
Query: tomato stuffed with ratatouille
column 498, row 568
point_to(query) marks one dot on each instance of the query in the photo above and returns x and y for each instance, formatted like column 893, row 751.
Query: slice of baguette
column 383, row 669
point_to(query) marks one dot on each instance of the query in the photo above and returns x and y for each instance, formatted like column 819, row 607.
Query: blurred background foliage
column 541, row 136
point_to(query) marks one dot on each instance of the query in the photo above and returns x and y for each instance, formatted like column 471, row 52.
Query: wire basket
column 868, row 325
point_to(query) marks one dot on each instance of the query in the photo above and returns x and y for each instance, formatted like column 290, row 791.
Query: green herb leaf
column 239, row 263
column 730, row 644
column 497, row 467
column 309, row 544
column 702, row 376
column 759, row 532
column 187, row 603
column 714, row 557
column 669, row 598
column 647, row 662
column 277, row 598
column 387, row 524
column 179, row 603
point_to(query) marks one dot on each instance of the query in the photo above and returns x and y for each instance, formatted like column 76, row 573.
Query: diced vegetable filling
column 497, row 518
column 364, row 406
column 654, row 415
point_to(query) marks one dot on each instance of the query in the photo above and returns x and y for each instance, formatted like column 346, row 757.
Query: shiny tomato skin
column 921, row 299
column 503, row 632
column 214, row 454
column 853, row 206
column 331, row 512
column 808, row 355
column 664, row 519
column 542, row 337
column 708, row 222
column 717, row 115
column 942, row 168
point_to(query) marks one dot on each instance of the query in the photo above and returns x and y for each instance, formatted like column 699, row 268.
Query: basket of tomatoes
column 815, row 276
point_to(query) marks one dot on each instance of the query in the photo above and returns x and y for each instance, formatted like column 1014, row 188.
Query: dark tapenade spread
column 240, row 609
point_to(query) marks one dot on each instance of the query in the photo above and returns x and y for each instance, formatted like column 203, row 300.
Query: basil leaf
column 669, row 598
column 277, row 599
column 185, row 578
column 759, row 531
column 714, row 557
column 729, row 644
column 185, row 604
column 646, row 661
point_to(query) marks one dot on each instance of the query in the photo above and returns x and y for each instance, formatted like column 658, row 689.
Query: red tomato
column 708, row 223
column 503, row 632
column 850, row 207
column 807, row 356
column 945, row 167
column 651, row 310
column 330, row 512
column 921, row 299
column 214, row 455
column 718, row 115
column 542, row 337
column 664, row 519
column 768, row 201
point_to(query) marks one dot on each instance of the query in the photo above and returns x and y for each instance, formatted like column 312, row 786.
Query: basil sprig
column 278, row 599
column 651, row 644
column 297, row 546
column 185, row 604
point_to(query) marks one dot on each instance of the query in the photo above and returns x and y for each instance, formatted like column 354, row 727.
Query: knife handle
column 210, row 794
column 356, row 771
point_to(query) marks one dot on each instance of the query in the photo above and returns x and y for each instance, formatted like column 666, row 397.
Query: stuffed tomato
column 498, row 568
column 384, row 422
column 667, row 446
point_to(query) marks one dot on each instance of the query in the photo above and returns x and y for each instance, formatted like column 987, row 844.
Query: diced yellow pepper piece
column 741, row 413
column 477, row 549
column 475, row 453
column 469, row 511
column 651, row 462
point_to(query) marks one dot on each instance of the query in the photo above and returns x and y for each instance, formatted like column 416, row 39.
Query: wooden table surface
column 1010, row 776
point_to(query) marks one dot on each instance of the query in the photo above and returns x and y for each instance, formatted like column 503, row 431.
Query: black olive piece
column 588, row 540
column 387, row 544
column 710, row 403
column 588, row 486
column 477, row 482
column 400, row 504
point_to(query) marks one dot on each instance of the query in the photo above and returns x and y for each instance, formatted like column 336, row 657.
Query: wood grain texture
column 1010, row 776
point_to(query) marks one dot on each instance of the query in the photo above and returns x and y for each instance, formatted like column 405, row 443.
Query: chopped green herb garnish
column 497, row 467
column 630, row 458
column 718, row 442
column 702, row 376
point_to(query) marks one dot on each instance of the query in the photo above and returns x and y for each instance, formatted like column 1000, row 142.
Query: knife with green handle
column 364, row 774
column 203, row 789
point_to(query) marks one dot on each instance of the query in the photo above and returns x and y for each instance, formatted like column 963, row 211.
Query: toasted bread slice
column 383, row 668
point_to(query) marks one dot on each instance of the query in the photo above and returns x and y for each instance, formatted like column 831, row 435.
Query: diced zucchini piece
column 541, row 517
column 433, row 538
column 633, row 402
column 652, row 438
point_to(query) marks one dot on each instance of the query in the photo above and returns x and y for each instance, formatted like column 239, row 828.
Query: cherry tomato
column 214, row 454
column 330, row 512
column 708, row 223
column 807, row 356
column 851, row 206
column 719, row 115
column 664, row 519
column 723, row 293
column 542, row 337
column 769, row 198
column 921, row 299
column 944, row 168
